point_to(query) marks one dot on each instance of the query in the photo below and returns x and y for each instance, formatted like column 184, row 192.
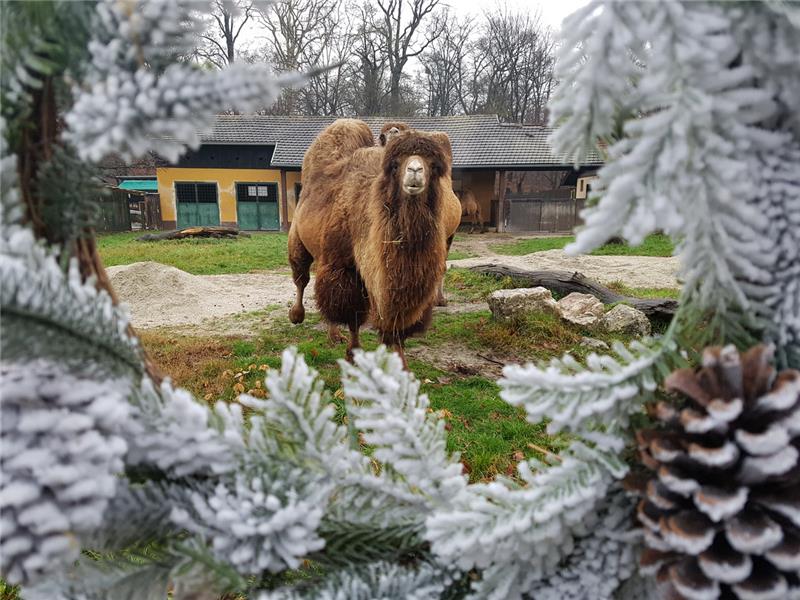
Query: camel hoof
column 441, row 301
column 297, row 314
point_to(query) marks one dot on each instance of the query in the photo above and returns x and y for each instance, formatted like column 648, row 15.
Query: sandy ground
column 163, row 296
column 159, row 295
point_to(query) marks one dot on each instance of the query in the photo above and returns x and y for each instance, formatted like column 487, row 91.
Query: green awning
column 140, row 185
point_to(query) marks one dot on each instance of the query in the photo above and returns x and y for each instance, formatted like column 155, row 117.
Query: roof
column 479, row 141
column 142, row 185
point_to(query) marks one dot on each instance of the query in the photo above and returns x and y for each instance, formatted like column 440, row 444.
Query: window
column 196, row 192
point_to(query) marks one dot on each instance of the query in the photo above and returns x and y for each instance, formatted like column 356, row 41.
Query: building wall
column 226, row 180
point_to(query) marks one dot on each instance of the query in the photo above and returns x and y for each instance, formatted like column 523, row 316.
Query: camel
column 471, row 209
column 373, row 220
column 452, row 206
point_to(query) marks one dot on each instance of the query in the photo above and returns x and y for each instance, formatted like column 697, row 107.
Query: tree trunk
column 565, row 282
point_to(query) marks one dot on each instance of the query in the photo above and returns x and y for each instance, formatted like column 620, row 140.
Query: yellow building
column 247, row 171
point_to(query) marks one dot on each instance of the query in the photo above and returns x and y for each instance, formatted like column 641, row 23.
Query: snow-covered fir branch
column 375, row 580
column 62, row 452
column 37, row 295
column 518, row 535
column 607, row 391
column 386, row 406
column 691, row 98
column 136, row 92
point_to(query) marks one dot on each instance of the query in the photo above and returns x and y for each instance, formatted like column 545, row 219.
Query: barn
column 246, row 173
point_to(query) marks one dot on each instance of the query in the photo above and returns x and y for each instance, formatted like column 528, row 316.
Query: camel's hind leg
column 354, row 342
column 300, row 260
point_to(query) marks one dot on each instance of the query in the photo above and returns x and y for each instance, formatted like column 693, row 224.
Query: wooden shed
column 247, row 171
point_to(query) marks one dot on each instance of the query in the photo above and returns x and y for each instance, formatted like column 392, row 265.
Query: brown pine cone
column 722, row 513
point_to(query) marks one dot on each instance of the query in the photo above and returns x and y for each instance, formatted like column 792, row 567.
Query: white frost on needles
column 696, row 102
column 137, row 96
column 61, row 456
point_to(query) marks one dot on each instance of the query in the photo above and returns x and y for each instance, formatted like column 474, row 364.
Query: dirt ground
column 163, row 296
column 633, row 271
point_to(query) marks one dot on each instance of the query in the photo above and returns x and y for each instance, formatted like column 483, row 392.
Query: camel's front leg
column 440, row 299
column 354, row 341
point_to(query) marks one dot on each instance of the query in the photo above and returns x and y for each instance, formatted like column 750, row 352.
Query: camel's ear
column 382, row 139
column 444, row 141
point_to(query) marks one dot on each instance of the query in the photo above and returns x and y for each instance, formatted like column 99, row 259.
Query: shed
column 247, row 171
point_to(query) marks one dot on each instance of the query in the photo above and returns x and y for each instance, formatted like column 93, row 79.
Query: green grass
column 459, row 254
column 490, row 435
column 654, row 245
column 198, row 256
column 646, row 293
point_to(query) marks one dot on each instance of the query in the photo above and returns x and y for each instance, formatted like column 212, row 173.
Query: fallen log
column 192, row 232
column 566, row 282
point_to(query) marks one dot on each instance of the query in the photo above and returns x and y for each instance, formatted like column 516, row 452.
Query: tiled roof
column 479, row 141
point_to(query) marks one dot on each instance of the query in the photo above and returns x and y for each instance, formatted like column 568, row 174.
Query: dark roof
column 479, row 141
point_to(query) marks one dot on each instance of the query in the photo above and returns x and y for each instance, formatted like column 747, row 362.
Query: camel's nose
column 415, row 172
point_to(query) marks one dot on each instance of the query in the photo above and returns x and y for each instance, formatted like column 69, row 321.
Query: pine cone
column 722, row 514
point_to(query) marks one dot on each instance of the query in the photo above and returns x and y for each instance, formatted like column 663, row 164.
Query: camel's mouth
column 413, row 190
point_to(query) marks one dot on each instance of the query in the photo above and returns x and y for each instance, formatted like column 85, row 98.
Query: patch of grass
column 653, row 245
column 8, row 592
column 464, row 285
column 490, row 435
column 459, row 254
column 198, row 256
column 646, row 293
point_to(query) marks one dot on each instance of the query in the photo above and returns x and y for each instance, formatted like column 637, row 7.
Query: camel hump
column 336, row 144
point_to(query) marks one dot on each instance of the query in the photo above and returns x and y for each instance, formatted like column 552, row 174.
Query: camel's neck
column 412, row 222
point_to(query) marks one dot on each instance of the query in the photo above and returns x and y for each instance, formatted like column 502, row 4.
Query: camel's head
column 417, row 160
column 391, row 130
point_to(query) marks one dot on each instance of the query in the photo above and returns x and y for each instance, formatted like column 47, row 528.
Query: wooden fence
column 543, row 213
column 115, row 215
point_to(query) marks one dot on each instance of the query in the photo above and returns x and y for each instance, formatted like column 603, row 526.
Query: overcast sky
column 553, row 11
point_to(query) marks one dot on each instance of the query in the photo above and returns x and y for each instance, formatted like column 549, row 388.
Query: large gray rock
column 581, row 309
column 626, row 319
column 506, row 304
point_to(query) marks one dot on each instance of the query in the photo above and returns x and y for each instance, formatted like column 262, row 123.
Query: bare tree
column 446, row 64
column 368, row 74
column 399, row 26
column 226, row 22
column 519, row 74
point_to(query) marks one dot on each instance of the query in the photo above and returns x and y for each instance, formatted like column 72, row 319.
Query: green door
column 257, row 206
column 197, row 204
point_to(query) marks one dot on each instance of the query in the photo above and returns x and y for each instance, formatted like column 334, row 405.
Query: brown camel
column 373, row 220
column 471, row 209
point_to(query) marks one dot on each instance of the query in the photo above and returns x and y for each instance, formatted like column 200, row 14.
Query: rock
column 626, row 319
column 506, row 304
column 581, row 309
column 594, row 343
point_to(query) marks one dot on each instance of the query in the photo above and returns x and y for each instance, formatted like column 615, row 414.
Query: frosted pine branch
column 172, row 431
column 297, row 421
column 601, row 561
column 395, row 419
column 260, row 520
column 708, row 90
column 518, row 535
column 376, row 580
column 61, row 457
column 607, row 391
column 37, row 293
column 136, row 98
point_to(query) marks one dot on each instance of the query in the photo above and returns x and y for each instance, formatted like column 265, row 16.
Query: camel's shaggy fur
column 471, row 209
column 380, row 245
